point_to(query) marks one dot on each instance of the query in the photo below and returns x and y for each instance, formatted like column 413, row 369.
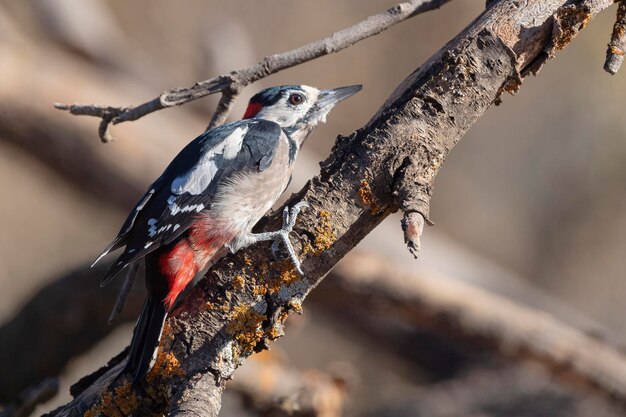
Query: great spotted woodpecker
column 210, row 197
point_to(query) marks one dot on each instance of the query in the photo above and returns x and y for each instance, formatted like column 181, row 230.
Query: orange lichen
column 239, row 282
column 127, row 400
column 245, row 326
column 308, row 248
column 287, row 275
column 615, row 50
column 121, row 402
column 224, row 307
column 367, row 198
column 259, row 290
column 295, row 305
column 103, row 407
column 165, row 367
column 570, row 20
column 267, row 282
column 276, row 330
column 325, row 236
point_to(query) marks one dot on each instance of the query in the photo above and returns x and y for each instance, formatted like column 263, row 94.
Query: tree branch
column 470, row 317
column 231, row 84
column 388, row 165
column 270, row 386
column 617, row 46
column 30, row 398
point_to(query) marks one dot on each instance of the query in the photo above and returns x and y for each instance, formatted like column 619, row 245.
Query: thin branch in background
column 30, row 398
column 271, row 386
column 225, row 105
column 230, row 85
column 469, row 316
column 617, row 46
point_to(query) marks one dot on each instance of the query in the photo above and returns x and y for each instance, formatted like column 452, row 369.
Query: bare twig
column 468, row 316
column 242, row 305
column 226, row 103
column 617, row 46
column 230, row 85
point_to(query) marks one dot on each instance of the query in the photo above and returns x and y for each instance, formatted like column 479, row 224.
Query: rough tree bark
column 388, row 165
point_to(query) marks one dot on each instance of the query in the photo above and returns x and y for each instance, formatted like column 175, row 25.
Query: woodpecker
column 209, row 198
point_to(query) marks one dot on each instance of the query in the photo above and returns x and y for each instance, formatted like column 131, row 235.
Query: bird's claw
column 290, row 216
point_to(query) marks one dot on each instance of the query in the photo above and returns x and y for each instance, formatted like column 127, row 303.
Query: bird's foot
column 290, row 216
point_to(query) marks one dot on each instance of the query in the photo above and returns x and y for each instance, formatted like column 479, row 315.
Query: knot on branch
column 413, row 226
column 412, row 189
column 615, row 50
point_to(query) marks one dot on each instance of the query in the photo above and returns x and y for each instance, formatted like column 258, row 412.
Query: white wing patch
column 152, row 231
column 175, row 209
column 164, row 228
column 200, row 176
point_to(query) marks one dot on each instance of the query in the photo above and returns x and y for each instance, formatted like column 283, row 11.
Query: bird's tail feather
column 117, row 243
column 134, row 269
column 145, row 339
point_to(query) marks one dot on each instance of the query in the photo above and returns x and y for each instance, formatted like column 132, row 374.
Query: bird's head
column 298, row 109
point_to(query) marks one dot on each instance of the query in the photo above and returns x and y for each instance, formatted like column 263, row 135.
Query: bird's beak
column 328, row 98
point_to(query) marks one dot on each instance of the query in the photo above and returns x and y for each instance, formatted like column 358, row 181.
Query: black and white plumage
column 211, row 196
column 189, row 184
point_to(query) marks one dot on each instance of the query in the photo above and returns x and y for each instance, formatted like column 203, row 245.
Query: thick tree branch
column 231, row 84
column 243, row 302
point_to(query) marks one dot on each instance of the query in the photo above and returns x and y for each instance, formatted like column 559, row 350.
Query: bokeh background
column 531, row 204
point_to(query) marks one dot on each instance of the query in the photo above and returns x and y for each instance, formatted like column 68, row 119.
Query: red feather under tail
column 189, row 256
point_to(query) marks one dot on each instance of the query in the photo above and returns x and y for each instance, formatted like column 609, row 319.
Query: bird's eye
column 296, row 98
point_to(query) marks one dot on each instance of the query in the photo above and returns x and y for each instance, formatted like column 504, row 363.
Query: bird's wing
column 188, row 185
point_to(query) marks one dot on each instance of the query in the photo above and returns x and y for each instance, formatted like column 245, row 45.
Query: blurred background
column 530, row 205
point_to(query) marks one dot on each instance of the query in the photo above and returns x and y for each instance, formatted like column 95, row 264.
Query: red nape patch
column 252, row 110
